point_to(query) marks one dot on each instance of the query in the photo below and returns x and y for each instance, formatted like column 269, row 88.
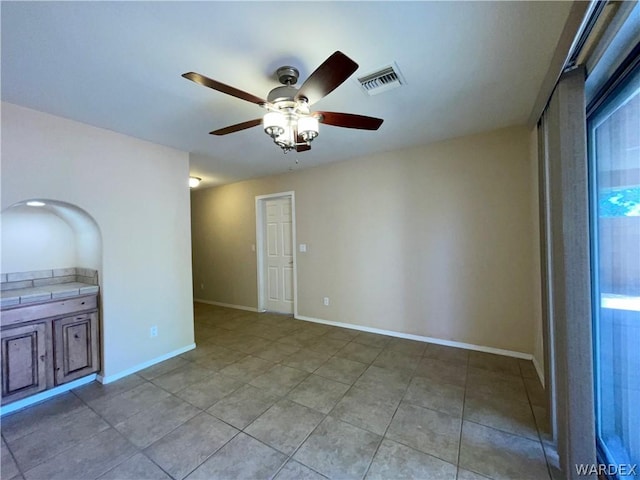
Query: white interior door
column 278, row 255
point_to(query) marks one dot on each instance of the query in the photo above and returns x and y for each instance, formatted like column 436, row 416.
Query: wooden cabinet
column 24, row 361
column 76, row 346
column 39, row 353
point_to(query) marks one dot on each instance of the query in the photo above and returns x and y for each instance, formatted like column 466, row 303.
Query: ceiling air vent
column 386, row 78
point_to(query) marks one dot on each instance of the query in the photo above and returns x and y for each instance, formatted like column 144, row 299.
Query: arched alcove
column 42, row 234
column 51, row 262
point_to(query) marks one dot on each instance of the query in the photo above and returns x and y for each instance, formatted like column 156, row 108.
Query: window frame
column 621, row 84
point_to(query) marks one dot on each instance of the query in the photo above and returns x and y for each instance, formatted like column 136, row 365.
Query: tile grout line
column 289, row 457
column 326, row 415
column 352, row 340
column 136, row 448
column 75, row 444
column 208, row 457
column 464, row 402
column 13, row 457
column 535, row 421
column 369, row 364
column 517, row 434
column 142, row 450
column 243, row 430
column 383, row 436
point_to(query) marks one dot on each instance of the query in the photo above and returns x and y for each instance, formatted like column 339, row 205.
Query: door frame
column 260, row 246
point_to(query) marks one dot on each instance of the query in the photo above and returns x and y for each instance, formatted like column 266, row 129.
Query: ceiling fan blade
column 327, row 77
column 221, row 87
column 237, row 127
column 349, row 120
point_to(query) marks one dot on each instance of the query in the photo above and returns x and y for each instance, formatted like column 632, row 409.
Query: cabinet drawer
column 22, row 314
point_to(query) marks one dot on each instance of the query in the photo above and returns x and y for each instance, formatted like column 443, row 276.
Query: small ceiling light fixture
column 35, row 203
column 194, row 182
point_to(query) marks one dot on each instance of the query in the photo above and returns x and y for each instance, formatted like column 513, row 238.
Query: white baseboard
column 228, row 305
column 539, row 370
column 47, row 394
column 420, row 338
column 112, row 378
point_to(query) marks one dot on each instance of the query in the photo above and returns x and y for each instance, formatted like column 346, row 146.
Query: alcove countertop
column 42, row 285
column 20, row 296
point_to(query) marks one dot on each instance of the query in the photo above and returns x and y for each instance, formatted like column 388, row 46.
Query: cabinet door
column 76, row 347
column 24, row 360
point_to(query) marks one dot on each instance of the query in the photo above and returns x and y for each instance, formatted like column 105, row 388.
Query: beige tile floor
column 267, row 396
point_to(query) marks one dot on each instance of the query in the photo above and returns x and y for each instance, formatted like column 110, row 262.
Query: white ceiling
column 469, row 67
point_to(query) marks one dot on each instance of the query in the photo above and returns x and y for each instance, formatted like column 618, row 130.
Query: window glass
column 614, row 140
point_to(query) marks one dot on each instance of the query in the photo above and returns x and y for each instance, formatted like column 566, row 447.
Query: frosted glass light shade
column 194, row 182
column 274, row 123
column 308, row 128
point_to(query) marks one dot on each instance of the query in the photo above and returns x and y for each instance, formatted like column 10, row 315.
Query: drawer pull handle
column 42, row 358
column 82, row 303
column 76, row 336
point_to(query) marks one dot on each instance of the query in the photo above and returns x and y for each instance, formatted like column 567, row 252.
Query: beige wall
column 136, row 192
column 434, row 241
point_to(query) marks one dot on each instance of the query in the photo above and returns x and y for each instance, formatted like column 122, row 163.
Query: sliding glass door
column 614, row 151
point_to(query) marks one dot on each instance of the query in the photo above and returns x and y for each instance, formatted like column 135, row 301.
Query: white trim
column 141, row 366
column 47, row 394
column 539, row 370
column 420, row 338
column 228, row 305
column 294, row 240
column 260, row 246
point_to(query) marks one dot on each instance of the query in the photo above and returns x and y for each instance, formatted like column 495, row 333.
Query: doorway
column 276, row 253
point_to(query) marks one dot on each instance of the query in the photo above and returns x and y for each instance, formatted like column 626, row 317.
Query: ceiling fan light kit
column 289, row 120
column 308, row 128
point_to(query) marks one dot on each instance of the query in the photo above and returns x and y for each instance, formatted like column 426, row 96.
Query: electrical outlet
column 325, row 301
column 202, row 286
column 153, row 331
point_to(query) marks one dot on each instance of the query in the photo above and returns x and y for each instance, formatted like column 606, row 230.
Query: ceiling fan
column 289, row 121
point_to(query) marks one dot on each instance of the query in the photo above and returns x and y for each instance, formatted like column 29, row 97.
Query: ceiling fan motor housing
column 288, row 75
column 282, row 94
